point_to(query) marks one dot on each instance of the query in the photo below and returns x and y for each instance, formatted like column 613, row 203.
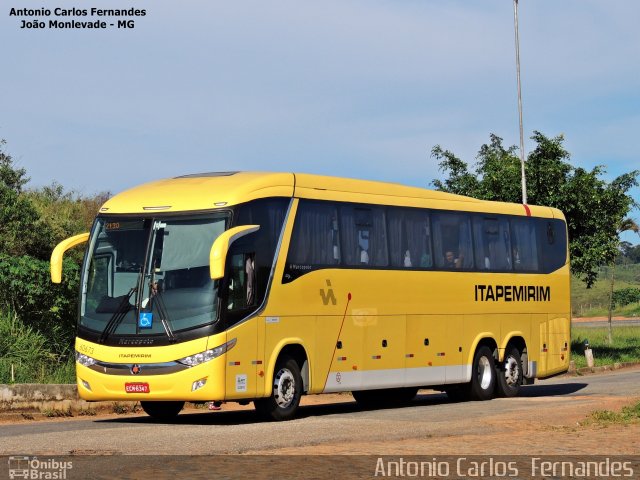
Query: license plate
column 136, row 388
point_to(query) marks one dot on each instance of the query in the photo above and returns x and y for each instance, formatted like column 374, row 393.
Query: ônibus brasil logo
column 35, row 468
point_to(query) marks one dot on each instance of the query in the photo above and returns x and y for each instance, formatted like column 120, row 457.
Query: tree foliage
column 593, row 207
column 21, row 231
column 32, row 222
column 629, row 253
column 26, row 288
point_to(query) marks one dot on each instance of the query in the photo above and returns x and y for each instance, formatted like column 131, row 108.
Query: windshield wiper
column 117, row 316
column 164, row 315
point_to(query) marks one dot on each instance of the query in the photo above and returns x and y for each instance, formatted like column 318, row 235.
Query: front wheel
column 510, row 374
column 483, row 375
column 285, row 394
column 162, row 410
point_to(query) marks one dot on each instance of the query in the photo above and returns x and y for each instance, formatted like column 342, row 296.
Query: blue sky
column 357, row 88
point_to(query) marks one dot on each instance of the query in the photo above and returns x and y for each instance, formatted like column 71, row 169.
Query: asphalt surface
column 341, row 423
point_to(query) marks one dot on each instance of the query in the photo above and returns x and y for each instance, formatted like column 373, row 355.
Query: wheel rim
column 484, row 373
column 511, row 371
column 284, row 388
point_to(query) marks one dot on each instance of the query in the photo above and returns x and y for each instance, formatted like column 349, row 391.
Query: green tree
column 593, row 207
column 21, row 231
column 32, row 222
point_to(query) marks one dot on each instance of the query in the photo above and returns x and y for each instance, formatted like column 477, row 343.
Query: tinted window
column 363, row 234
column 409, row 238
column 250, row 257
column 315, row 238
column 493, row 244
column 452, row 240
column 524, row 245
column 553, row 239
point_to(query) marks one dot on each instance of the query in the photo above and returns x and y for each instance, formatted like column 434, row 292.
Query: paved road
column 430, row 421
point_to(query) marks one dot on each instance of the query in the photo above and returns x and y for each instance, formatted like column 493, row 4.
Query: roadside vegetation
column 628, row 415
column 37, row 318
column 594, row 301
column 625, row 347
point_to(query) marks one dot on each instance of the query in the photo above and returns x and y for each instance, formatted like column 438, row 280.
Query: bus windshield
column 150, row 276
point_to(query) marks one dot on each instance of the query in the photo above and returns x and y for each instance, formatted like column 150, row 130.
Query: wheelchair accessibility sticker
column 145, row 320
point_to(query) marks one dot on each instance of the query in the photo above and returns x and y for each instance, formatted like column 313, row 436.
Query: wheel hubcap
column 484, row 373
column 284, row 388
column 511, row 371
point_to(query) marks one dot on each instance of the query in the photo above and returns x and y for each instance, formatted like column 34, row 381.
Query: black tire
column 286, row 392
column 509, row 374
column 162, row 410
column 483, row 375
column 368, row 398
column 385, row 397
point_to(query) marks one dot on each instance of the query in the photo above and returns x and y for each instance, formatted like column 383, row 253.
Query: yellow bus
column 263, row 287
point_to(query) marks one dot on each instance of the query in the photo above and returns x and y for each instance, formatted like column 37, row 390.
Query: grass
column 625, row 347
column 627, row 415
column 594, row 301
column 26, row 355
column 57, row 413
column 122, row 408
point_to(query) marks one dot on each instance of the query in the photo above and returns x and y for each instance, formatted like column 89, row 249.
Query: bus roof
column 208, row 191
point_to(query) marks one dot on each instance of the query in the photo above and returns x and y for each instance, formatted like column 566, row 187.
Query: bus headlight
column 85, row 360
column 207, row 355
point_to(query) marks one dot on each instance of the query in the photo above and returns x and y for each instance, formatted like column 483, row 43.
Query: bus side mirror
column 58, row 253
column 220, row 248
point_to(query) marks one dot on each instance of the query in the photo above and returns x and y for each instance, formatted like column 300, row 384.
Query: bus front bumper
column 203, row 382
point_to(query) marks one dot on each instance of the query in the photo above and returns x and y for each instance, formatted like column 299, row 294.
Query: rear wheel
column 162, row 410
column 285, row 394
column 509, row 374
column 483, row 374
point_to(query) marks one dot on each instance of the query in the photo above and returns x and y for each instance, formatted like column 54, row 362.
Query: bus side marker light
column 233, row 364
column 430, row 364
column 261, row 373
column 341, row 359
column 256, row 362
column 440, row 354
column 409, row 355
column 376, row 357
column 355, row 367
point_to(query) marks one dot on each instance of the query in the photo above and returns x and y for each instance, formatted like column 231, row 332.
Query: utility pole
column 524, row 180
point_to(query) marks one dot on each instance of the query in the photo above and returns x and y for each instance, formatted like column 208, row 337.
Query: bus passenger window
column 452, row 240
column 492, row 244
column 524, row 246
column 554, row 244
column 363, row 234
column 409, row 238
column 315, row 239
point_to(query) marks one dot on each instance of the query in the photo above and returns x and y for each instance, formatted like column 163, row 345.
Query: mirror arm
column 58, row 253
column 220, row 248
